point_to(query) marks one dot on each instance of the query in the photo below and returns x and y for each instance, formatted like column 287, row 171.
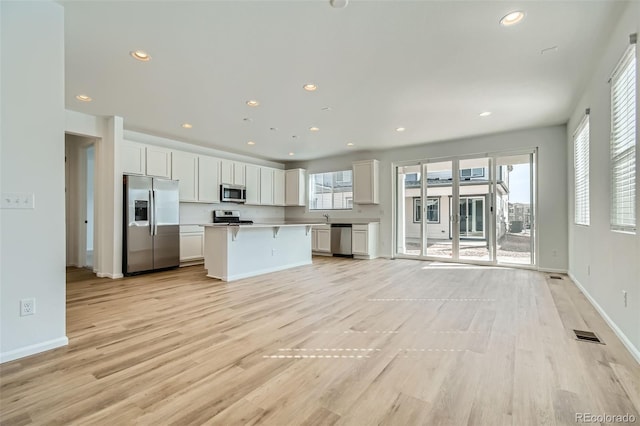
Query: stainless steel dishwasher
column 341, row 239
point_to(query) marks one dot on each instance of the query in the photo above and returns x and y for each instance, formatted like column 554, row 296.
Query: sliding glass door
column 478, row 210
column 515, row 204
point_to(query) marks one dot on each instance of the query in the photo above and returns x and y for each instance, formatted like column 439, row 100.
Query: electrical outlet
column 624, row 295
column 273, row 252
column 27, row 307
column 554, row 253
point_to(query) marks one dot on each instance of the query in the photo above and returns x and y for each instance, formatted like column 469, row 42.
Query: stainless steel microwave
column 232, row 193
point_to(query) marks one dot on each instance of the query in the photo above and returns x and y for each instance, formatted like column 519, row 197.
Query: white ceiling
column 428, row 66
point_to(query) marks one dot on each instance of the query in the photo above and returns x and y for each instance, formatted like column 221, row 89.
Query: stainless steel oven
column 232, row 193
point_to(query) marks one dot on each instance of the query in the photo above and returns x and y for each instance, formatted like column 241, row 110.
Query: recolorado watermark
column 605, row 418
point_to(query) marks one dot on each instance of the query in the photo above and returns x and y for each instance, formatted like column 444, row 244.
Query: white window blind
column 581, row 172
column 623, row 143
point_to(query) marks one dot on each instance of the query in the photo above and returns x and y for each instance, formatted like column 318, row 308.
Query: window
column 581, row 172
column 433, row 210
column 469, row 173
column 623, row 143
column 331, row 191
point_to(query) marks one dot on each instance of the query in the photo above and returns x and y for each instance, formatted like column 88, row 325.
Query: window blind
column 581, row 171
column 623, row 143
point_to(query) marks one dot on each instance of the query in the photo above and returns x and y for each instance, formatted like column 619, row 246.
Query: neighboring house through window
column 432, row 211
column 331, row 191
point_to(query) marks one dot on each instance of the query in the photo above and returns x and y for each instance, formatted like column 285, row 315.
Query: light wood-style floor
column 343, row 341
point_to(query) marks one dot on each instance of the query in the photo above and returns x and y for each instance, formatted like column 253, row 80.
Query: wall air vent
column 587, row 336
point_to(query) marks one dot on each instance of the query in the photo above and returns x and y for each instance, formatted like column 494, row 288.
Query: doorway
column 79, row 200
column 476, row 209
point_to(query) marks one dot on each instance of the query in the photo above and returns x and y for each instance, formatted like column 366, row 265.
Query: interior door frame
column 491, row 232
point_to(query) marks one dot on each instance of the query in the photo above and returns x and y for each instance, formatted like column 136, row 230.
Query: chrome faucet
column 326, row 216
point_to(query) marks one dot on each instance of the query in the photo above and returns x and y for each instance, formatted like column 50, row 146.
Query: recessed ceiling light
column 338, row 4
column 314, row 129
column 247, row 119
column 350, row 144
column 273, row 129
column 485, row 114
column 310, row 87
column 84, row 98
column 326, row 108
column 291, row 154
column 187, row 125
column 253, row 103
column 140, row 55
column 251, row 143
column 400, row 129
column 512, row 18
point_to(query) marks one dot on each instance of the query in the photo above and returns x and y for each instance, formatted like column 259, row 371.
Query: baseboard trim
column 107, row 275
column 235, row 277
column 553, row 271
column 33, row 349
column 635, row 353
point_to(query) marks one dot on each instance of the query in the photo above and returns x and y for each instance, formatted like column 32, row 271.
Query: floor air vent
column 587, row 336
column 555, row 277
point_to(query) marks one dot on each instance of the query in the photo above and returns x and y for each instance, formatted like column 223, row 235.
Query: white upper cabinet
column 252, row 183
column 134, row 158
column 295, row 187
column 208, row 179
column 158, row 162
column 226, row 171
column 238, row 173
column 366, row 189
column 232, row 172
column 278, row 187
column 184, row 168
column 266, row 186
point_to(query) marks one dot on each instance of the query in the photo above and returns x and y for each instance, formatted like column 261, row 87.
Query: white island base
column 241, row 251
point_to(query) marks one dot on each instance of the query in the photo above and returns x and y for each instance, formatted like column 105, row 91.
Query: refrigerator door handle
column 151, row 212
column 155, row 222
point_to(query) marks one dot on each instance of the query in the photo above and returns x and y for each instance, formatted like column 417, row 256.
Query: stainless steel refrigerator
column 151, row 219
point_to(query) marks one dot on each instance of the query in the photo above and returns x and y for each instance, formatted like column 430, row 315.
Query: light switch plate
column 18, row 200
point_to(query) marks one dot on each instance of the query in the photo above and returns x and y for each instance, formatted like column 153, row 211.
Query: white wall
column 32, row 161
column 552, row 184
column 602, row 262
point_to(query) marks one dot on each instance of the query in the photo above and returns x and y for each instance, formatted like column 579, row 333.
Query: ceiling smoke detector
column 339, row 4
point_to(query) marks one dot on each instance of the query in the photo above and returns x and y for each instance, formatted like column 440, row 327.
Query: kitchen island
column 232, row 252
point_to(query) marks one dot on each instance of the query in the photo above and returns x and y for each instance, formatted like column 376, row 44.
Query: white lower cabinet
column 321, row 239
column 191, row 243
column 364, row 240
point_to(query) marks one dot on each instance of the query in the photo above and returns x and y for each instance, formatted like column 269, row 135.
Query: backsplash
column 197, row 213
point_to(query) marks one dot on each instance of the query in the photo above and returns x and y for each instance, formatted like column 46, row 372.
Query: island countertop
column 260, row 225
